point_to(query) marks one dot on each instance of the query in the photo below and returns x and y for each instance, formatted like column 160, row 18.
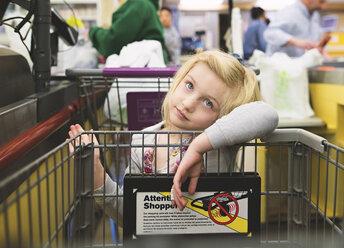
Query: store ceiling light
column 273, row 4
column 200, row 4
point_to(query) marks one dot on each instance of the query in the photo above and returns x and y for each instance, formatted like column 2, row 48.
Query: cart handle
column 140, row 72
column 125, row 72
column 297, row 135
column 23, row 143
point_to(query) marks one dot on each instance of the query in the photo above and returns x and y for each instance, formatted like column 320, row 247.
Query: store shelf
column 86, row 10
column 244, row 4
column 334, row 6
column 74, row 1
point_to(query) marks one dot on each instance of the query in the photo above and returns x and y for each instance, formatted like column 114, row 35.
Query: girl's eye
column 189, row 86
column 208, row 103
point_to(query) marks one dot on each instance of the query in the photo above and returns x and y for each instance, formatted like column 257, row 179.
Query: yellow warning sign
column 221, row 209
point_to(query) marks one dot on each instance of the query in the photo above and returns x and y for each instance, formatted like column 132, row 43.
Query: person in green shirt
column 135, row 20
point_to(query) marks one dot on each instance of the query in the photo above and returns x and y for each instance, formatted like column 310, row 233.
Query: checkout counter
column 326, row 85
column 34, row 107
column 327, row 98
column 32, row 122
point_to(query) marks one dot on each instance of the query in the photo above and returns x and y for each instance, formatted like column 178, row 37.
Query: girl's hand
column 190, row 166
column 83, row 139
column 86, row 139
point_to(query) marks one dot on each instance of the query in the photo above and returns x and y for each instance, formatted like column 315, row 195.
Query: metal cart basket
column 104, row 93
column 52, row 202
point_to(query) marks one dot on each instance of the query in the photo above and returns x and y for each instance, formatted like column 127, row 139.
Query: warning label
column 205, row 212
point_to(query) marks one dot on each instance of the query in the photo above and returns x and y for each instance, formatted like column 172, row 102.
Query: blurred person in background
column 296, row 29
column 171, row 36
column 134, row 20
column 254, row 38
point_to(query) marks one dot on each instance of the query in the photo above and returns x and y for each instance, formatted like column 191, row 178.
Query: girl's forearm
column 99, row 175
column 201, row 144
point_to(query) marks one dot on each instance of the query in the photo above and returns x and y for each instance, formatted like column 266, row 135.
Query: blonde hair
column 240, row 80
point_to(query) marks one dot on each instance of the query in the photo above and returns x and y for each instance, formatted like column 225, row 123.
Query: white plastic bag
column 117, row 96
column 81, row 55
column 284, row 82
column 145, row 53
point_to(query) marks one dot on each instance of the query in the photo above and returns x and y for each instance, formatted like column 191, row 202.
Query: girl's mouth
column 181, row 115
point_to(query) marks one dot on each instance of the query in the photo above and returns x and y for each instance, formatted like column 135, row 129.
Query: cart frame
column 51, row 201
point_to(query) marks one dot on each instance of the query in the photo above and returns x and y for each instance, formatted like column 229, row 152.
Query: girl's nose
column 189, row 104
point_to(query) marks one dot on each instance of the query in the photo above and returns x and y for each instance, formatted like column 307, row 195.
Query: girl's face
column 198, row 99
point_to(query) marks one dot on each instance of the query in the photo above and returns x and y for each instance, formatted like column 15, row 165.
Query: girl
column 209, row 86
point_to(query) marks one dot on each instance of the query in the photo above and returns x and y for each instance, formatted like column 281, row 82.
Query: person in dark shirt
column 253, row 38
column 135, row 20
column 171, row 36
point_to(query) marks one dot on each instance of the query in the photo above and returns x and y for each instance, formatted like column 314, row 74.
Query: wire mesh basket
column 292, row 183
column 51, row 202
column 104, row 95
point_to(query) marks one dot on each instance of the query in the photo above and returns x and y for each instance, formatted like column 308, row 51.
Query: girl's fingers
column 177, row 191
column 178, row 197
column 71, row 143
column 176, row 184
column 71, row 147
column 79, row 128
column 84, row 139
column 76, row 130
column 193, row 185
column 70, row 134
column 93, row 138
column 73, row 130
column 180, row 202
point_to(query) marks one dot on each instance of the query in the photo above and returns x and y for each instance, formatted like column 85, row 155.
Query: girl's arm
column 98, row 167
column 190, row 166
column 108, row 204
column 246, row 122
column 112, row 206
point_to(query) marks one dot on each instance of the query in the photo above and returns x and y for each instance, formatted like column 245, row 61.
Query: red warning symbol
column 224, row 204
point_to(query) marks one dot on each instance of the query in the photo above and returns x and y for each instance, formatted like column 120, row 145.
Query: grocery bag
column 138, row 54
column 284, row 82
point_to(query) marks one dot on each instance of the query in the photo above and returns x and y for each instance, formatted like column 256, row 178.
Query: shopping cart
column 51, row 201
column 104, row 93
